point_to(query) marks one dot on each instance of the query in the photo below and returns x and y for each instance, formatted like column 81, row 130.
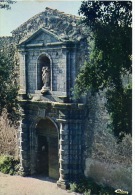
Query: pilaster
column 24, row 146
column 22, row 90
column 71, row 148
column 63, row 154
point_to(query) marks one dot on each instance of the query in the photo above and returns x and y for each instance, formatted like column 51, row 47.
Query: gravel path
column 16, row 185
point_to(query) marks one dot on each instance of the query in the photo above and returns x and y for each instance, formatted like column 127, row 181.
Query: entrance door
column 47, row 155
column 53, row 158
column 42, row 155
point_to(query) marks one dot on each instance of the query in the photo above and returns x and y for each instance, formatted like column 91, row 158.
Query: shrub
column 9, row 165
column 106, row 148
column 88, row 186
column 107, row 174
column 8, row 136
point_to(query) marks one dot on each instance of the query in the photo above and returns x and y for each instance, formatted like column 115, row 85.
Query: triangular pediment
column 42, row 36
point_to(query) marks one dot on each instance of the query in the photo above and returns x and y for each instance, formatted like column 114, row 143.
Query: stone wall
column 106, row 161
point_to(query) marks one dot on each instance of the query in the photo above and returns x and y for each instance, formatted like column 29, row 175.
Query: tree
column 110, row 24
column 6, row 4
column 8, row 82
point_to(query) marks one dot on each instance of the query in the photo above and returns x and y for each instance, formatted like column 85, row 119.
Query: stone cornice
column 65, row 26
column 36, row 33
column 47, row 9
column 57, row 105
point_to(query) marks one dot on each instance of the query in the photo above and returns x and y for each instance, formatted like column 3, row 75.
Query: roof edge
column 46, row 9
column 35, row 33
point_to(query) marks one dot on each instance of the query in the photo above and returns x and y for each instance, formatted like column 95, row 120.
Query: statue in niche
column 45, row 76
column 45, row 79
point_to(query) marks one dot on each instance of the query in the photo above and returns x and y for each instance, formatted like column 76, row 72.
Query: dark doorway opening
column 47, row 153
column 42, row 167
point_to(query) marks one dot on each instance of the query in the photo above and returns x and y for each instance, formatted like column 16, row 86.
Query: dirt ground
column 16, row 185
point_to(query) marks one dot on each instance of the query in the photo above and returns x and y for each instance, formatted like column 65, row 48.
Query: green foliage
column 9, row 165
column 118, row 13
column 8, row 82
column 119, row 105
column 87, row 186
column 110, row 58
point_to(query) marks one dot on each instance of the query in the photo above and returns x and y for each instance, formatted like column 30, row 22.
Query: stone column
column 70, row 151
column 63, row 154
column 24, row 145
column 22, row 90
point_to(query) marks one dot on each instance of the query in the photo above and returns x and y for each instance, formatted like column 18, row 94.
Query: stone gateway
column 60, row 137
column 51, row 130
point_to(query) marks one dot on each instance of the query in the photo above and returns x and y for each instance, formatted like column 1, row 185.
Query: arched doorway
column 43, row 61
column 47, row 151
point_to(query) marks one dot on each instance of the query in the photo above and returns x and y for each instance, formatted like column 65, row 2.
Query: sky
column 25, row 9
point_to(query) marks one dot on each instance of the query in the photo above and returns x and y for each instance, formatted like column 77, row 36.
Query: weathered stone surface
column 70, row 153
column 63, row 25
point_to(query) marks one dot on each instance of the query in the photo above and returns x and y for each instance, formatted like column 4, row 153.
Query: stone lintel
column 45, row 48
column 62, row 105
column 58, row 105
column 63, row 44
